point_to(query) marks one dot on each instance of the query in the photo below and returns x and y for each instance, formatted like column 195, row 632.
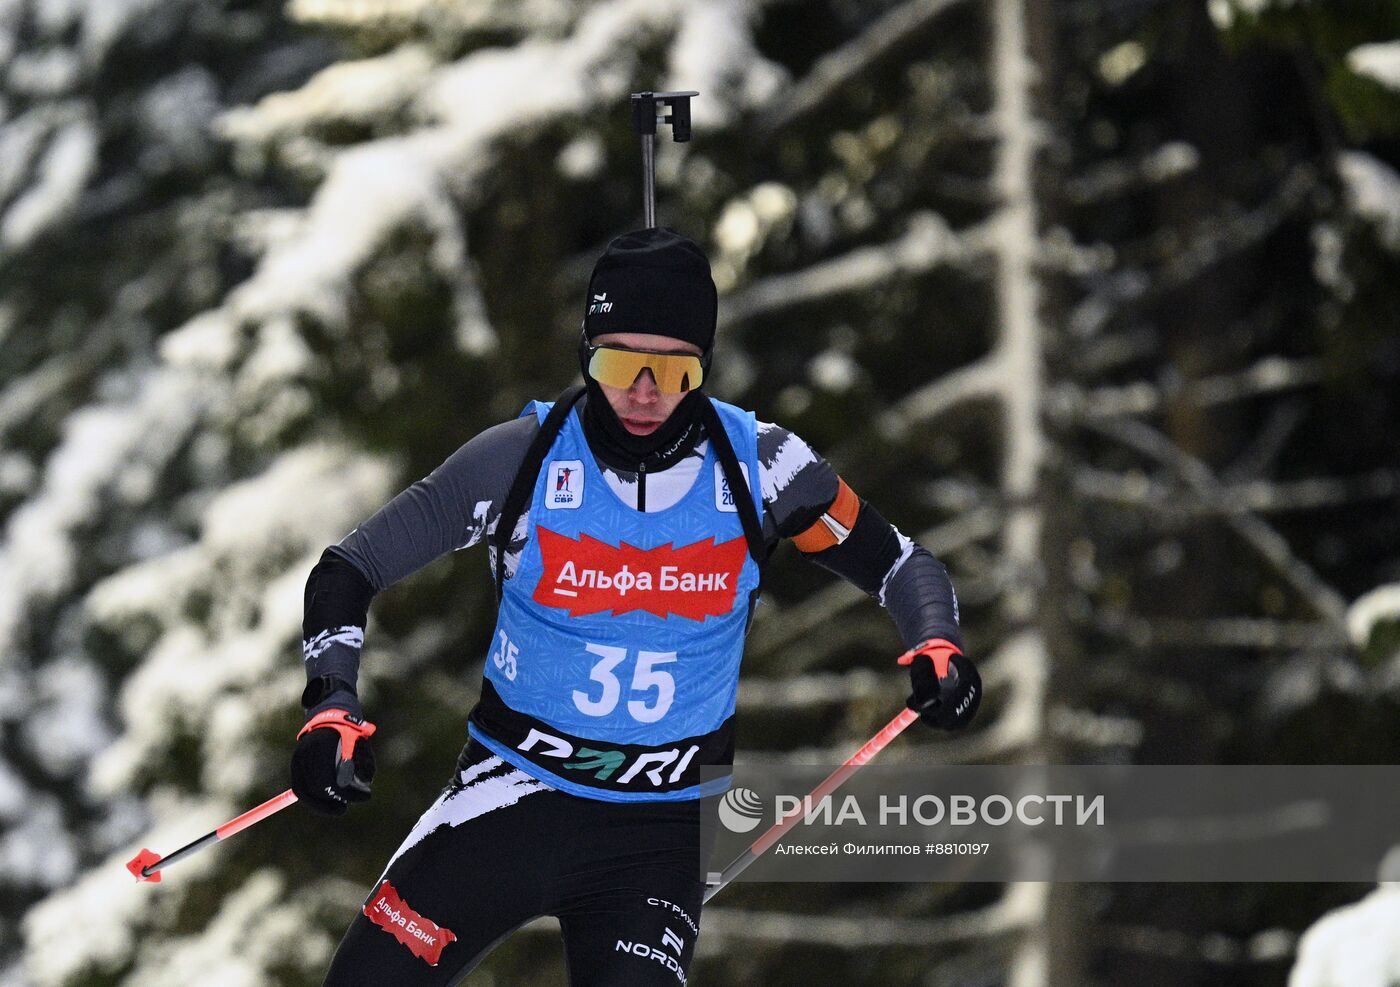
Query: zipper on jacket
column 642, row 486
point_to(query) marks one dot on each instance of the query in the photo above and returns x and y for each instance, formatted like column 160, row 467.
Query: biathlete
column 627, row 524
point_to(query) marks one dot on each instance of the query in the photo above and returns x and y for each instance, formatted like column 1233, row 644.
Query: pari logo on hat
column 653, row 281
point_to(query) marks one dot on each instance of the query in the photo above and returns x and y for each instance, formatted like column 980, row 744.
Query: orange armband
column 833, row 527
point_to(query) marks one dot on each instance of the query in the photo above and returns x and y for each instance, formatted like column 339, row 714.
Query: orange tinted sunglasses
column 674, row 372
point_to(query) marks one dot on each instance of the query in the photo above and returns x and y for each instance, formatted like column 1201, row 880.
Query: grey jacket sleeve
column 798, row 485
column 798, row 488
column 453, row 507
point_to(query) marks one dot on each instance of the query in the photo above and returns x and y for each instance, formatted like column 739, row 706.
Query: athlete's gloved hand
column 947, row 688
column 333, row 764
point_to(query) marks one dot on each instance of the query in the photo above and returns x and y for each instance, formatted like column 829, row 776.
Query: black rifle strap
column 738, row 486
column 524, row 483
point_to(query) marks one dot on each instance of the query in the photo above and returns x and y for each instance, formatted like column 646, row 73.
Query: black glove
column 947, row 688
column 333, row 764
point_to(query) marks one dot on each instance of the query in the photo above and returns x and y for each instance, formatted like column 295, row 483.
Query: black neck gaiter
column 610, row 441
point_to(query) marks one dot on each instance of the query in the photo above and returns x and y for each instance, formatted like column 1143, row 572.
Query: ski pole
column 644, row 121
column 146, row 865
column 833, row 781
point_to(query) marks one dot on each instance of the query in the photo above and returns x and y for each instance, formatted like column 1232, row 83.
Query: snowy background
column 1095, row 297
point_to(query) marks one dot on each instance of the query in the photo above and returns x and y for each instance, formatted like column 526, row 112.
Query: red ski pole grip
column 350, row 727
column 939, row 650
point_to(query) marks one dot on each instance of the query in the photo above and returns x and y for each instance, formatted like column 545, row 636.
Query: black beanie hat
column 653, row 281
